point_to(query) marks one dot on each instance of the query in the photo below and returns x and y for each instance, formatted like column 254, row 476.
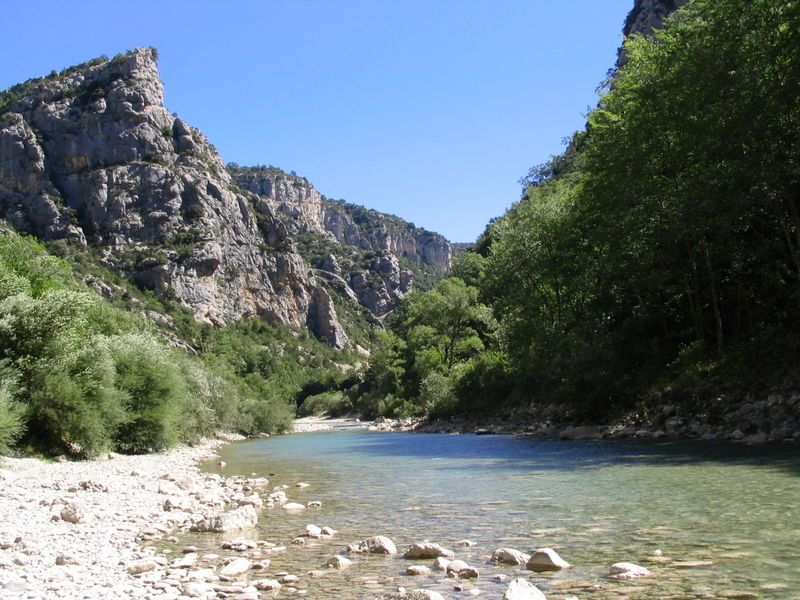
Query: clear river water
column 725, row 517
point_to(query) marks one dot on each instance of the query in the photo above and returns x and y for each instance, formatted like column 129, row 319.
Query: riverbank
column 772, row 419
column 78, row 529
column 325, row 423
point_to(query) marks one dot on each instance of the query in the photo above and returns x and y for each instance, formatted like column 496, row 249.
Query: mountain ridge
column 92, row 155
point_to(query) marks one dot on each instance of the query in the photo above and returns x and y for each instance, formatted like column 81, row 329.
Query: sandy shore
column 73, row 530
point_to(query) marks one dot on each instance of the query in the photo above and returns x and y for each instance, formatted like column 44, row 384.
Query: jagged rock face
column 646, row 16
column 369, row 244
column 304, row 209
column 94, row 155
column 322, row 319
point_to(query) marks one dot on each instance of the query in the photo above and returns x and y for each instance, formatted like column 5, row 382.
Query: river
column 725, row 517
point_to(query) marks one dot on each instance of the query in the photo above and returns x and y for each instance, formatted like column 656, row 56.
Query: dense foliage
column 83, row 375
column 662, row 250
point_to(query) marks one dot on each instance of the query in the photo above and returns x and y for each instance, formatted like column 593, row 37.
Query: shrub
column 155, row 394
column 332, row 403
column 75, row 407
column 11, row 416
column 436, row 395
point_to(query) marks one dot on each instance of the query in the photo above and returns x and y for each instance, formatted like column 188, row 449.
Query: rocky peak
column 304, row 209
column 93, row 155
column 645, row 17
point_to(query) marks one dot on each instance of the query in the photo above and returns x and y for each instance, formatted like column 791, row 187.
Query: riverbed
column 710, row 520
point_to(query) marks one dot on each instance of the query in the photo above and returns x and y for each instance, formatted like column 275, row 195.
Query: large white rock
column 427, row 550
column 294, row 506
column 546, row 559
column 379, row 544
column 522, row 589
column 510, row 556
column 236, row 567
column 626, row 570
column 313, row 531
column 243, row 517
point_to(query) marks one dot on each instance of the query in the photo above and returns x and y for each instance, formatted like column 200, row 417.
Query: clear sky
column 428, row 109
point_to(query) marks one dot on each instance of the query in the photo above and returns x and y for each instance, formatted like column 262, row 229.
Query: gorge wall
column 91, row 155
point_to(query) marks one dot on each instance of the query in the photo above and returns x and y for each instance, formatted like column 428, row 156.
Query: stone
column 237, row 566
column 465, row 543
column 413, row 595
column 252, row 500
column 313, row 531
column 522, row 589
column 440, row 564
column 73, row 513
column 626, row 570
column 66, row 559
column 338, row 562
column 378, row 544
column 461, row 569
column 546, row 559
column 244, row 517
column 418, row 570
column 142, row 566
column 266, row 584
column 427, row 550
column 294, row 506
column 510, row 556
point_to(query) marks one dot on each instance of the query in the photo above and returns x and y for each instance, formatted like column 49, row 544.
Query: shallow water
column 595, row 502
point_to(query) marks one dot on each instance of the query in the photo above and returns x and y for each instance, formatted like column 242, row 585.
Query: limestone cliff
column 364, row 254
column 91, row 154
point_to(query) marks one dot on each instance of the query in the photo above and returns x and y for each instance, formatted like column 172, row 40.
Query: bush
column 437, row 397
column 332, row 403
column 155, row 394
column 11, row 416
column 484, row 383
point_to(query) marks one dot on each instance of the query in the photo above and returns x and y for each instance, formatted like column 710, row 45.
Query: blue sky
column 428, row 109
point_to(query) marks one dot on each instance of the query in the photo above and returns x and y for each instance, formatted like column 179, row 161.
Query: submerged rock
column 338, row 562
column 626, row 570
column 414, row 595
